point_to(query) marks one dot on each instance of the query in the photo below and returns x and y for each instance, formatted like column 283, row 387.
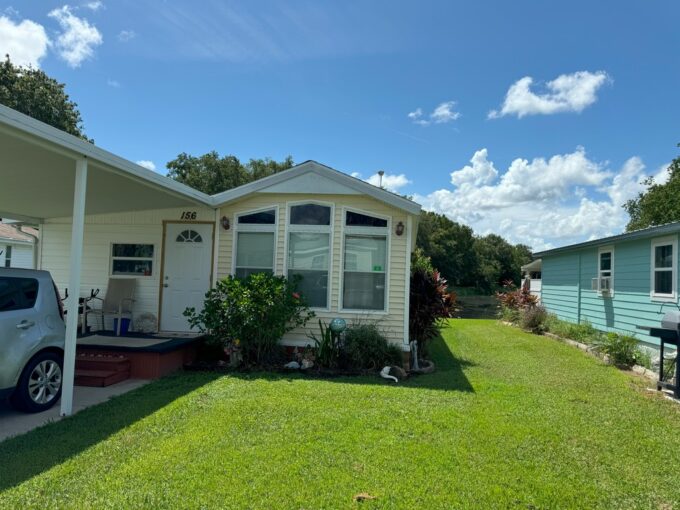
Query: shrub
column 513, row 301
column 326, row 347
column 429, row 301
column 533, row 318
column 583, row 332
column 365, row 347
column 622, row 350
column 251, row 314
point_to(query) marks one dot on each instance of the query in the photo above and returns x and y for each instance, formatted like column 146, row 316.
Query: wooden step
column 100, row 378
column 117, row 363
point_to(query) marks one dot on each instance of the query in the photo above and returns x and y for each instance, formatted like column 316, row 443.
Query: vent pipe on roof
column 381, row 173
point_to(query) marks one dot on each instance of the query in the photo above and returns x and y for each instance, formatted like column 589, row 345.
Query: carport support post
column 77, row 228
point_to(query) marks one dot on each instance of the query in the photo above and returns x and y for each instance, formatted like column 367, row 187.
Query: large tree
column 31, row 91
column 658, row 204
column 212, row 174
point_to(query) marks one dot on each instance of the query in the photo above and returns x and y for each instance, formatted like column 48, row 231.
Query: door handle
column 25, row 324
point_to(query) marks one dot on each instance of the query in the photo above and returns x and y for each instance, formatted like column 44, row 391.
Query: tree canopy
column 658, row 204
column 32, row 92
column 212, row 174
column 467, row 260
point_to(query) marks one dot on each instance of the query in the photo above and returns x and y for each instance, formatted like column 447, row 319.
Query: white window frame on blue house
column 605, row 273
column 657, row 296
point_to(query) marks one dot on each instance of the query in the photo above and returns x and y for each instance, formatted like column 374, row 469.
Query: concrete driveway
column 13, row 423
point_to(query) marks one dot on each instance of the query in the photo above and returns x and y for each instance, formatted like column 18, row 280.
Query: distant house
column 17, row 246
column 616, row 283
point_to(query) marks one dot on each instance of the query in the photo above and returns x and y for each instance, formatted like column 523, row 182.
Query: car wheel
column 39, row 386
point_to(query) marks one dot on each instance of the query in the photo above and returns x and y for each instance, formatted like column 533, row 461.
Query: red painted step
column 116, row 363
column 100, row 378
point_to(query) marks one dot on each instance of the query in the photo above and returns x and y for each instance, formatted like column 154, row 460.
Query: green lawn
column 509, row 420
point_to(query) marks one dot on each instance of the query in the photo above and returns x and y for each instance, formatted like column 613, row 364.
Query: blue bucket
column 124, row 326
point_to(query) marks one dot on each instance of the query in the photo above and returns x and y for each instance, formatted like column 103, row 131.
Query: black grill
column 668, row 334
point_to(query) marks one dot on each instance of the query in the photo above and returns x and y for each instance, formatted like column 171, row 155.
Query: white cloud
column 78, row 39
column 113, row 83
column 564, row 199
column 94, row 6
column 566, row 93
column 126, row 35
column 26, row 42
column 391, row 182
column 150, row 165
column 442, row 114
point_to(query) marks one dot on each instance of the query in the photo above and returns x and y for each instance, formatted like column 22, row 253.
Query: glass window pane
column 310, row 214
column 308, row 251
column 364, row 291
column 605, row 261
column 133, row 250
column 255, row 249
column 365, row 253
column 132, row 267
column 663, row 282
column 663, row 256
column 243, row 272
column 258, row 218
column 312, row 285
column 28, row 287
column 9, row 297
column 355, row 219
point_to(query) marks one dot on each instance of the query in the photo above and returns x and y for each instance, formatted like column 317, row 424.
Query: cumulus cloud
column 543, row 202
column 78, row 39
column 150, row 165
column 444, row 112
column 391, row 182
column 25, row 42
column 94, row 6
column 566, row 93
column 126, row 35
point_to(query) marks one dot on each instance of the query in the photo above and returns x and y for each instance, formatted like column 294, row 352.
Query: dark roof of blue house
column 658, row 230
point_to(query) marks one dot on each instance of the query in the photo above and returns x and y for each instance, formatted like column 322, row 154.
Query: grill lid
column 671, row 320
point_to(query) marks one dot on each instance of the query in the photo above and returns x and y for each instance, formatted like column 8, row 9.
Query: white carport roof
column 37, row 170
column 47, row 173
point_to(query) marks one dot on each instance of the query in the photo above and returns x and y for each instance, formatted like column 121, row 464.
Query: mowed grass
column 509, row 420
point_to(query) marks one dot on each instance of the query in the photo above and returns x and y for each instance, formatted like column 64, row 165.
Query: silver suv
column 32, row 335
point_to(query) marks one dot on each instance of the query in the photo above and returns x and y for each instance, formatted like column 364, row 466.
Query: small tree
column 429, row 302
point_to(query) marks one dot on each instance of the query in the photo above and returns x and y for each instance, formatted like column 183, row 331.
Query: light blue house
column 616, row 283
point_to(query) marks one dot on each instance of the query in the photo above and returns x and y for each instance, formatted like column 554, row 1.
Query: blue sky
column 584, row 95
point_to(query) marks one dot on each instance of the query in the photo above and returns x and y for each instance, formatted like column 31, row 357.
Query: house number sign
column 188, row 215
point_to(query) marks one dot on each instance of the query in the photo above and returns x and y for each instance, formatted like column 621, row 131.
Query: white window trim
column 319, row 229
column 663, row 241
column 600, row 251
column 154, row 265
column 255, row 228
column 376, row 231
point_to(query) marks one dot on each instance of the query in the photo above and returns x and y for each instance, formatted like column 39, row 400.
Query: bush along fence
column 244, row 320
column 519, row 308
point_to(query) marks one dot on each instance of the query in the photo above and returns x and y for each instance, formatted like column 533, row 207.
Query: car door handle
column 25, row 324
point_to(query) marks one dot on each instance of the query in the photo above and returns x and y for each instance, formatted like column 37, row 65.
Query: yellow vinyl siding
column 392, row 322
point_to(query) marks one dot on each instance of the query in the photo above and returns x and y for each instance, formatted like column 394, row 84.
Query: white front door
column 187, row 260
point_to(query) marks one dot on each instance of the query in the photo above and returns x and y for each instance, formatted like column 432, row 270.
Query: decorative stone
column 293, row 365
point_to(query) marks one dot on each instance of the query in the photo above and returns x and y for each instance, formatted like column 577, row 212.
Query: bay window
column 365, row 262
column 664, row 269
column 309, row 251
column 255, row 238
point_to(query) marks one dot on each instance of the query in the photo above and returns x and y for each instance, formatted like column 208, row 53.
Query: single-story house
column 349, row 241
column 616, row 283
column 17, row 246
column 101, row 216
